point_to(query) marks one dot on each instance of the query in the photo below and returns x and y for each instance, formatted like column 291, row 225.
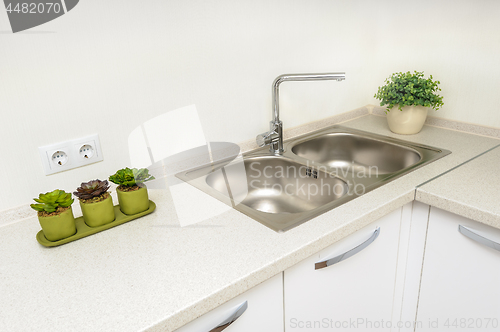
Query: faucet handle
column 267, row 138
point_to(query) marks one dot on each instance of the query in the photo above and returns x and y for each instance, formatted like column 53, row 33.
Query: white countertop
column 471, row 190
column 151, row 274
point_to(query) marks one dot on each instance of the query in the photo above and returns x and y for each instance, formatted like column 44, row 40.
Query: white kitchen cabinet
column 259, row 309
column 355, row 294
column 460, row 286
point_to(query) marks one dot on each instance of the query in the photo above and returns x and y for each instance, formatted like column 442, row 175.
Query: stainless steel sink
column 267, row 178
column 356, row 153
column 316, row 173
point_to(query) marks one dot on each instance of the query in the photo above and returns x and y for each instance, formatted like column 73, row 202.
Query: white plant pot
column 408, row 121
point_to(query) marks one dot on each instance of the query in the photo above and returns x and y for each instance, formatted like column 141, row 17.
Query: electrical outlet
column 67, row 155
column 87, row 150
column 59, row 158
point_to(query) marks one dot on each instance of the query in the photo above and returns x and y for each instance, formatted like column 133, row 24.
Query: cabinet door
column 460, row 286
column 258, row 309
column 355, row 294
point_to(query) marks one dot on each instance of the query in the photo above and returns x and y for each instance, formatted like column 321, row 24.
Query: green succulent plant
column 49, row 202
column 407, row 89
column 91, row 189
column 131, row 177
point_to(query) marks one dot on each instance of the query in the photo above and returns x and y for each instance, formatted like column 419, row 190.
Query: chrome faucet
column 274, row 137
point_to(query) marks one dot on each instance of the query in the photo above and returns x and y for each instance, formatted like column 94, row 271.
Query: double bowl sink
column 316, row 173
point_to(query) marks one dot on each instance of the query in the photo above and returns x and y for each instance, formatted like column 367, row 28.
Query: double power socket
column 67, row 155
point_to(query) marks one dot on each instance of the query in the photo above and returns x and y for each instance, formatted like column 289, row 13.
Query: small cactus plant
column 128, row 179
column 53, row 201
column 132, row 193
column 96, row 202
column 92, row 191
column 55, row 214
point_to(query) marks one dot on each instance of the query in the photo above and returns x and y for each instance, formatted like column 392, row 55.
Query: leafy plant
column 407, row 89
column 92, row 189
column 51, row 201
column 131, row 177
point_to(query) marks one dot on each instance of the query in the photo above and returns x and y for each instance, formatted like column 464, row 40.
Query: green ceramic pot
column 133, row 202
column 99, row 213
column 58, row 227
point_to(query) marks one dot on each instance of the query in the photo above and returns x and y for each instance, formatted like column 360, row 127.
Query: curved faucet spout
column 299, row 77
column 274, row 137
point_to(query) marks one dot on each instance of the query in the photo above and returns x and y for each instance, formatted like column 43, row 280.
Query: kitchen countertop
column 152, row 274
column 471, row 190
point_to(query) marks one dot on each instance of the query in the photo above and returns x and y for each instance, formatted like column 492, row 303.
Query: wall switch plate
column 67, row 155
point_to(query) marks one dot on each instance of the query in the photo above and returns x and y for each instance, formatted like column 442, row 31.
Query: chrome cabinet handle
column 334, row 260
column 233, row 317
column 478, row 238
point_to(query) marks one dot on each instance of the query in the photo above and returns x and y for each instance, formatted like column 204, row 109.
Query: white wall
column 458, row 42
column 108, row 66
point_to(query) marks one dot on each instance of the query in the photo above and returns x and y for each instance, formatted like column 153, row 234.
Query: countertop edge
column 459, row 208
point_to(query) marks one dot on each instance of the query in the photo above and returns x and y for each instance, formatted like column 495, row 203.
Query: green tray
column 82, row 230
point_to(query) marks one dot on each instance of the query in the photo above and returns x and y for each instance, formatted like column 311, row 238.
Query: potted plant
column 412, row 95
column 132, row 192
column 96, row 202
column 55, row 214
